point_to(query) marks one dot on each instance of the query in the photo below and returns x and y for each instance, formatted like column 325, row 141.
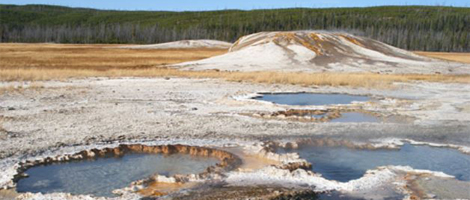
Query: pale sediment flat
column 99, row 110
column 184, row 44
column 77, row 111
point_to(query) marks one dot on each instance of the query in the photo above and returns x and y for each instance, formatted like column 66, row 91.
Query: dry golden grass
column 96, row 57
column 37, row 62
column 458, row 57
column 368, row 80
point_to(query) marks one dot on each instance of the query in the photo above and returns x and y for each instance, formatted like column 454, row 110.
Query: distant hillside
column 410, row 27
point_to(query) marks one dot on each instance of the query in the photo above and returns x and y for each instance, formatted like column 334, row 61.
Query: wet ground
column 440, row 188
column 274, row 192
column 356, row 117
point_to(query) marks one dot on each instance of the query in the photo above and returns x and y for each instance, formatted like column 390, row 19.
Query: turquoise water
column 345, row 164
column 304, row 99
column 101, row 176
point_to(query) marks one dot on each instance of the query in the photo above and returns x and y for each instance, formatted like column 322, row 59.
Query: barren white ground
column 209, row 112
column 184, row 44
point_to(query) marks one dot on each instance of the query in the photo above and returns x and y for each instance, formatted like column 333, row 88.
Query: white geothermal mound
column 184, row 44
column 316, row 51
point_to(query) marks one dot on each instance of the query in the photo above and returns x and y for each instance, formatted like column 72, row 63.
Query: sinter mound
column 314, row 51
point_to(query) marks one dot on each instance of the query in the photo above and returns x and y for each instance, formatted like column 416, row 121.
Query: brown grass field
column 458, row 57
column 94, row 57
column 37, row 62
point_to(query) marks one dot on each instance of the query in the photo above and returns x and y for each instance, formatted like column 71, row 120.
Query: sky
column 194, row 5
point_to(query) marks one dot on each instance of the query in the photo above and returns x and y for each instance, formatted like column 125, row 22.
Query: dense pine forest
column 408, row 27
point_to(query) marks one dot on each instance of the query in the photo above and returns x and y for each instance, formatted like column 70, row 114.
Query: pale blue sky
column 181, row 5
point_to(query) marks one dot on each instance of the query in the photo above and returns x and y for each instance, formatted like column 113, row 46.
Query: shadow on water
column 100, row 176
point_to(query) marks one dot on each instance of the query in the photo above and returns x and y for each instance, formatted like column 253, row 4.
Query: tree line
column 408, row 27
